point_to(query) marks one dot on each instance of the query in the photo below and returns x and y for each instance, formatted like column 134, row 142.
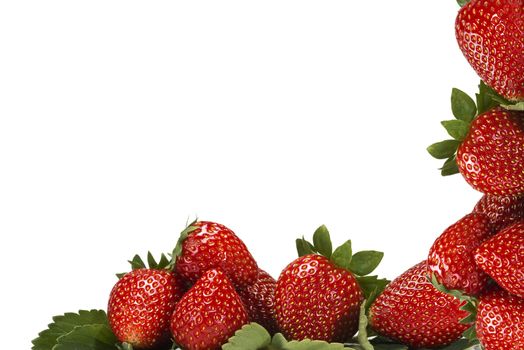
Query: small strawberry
column 500, row 321
column 490, row 34
column 487, row 148
column 259, row 300
column 451, row 258
column 501, row 210
column 205, row 245
column 141, row 304
column 502, row 257
column 208, row 314
column 411, row 310
column 318, row 296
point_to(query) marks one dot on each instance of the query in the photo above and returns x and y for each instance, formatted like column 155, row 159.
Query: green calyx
column 465, row 110
column 137, row 263
column 183, row 236
column 360, row 264
column 470, row 305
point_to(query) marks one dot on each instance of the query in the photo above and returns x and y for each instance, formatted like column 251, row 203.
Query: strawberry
column 318, row 296
column 205, row 245
column 490, row 34
column 141, row 304
column 502, row 257
column 451, row 258
column 411, row 310
column 259, row 300
column 502, row 211
column 208, row 314
column 487, row 148
column 500, row 321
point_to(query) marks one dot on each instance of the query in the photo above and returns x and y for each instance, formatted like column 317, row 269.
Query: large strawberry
column 411, row 310
column 502, row 257
column 142, row 302
column 204, row 245
column 259, row 300
column 208, row 314
column 488, row 146
column 500, row 321
column 502, row 211
column 318, row 296
column 490, row 33
column 451, row 258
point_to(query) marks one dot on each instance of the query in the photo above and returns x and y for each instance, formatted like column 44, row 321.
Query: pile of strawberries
column 210, row 293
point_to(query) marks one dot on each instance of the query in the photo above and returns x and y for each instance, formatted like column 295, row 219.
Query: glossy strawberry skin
column 411, row 310
column 491, row 157
column 140, row 307
column 316, row 300
column 451, row 258
column 502, row 257
column 259, row 300
column 208, row 314
column 500, row 321
column 211, row 245
column 490, row 34
column 502, row 211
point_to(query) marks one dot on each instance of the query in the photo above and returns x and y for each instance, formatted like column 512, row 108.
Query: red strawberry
column 500, row 321
column 502, row 257
column 208, row 314
column 491, row 157
column 317, row 300
column 411, row 310
column 501, row 210
column 140, row 307
column 259, row 300
column 490, row 34
column 206, row 245
column 451, row 258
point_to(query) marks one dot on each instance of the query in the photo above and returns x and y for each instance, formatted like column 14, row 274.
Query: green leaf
column 183, row 235
column 89, row 337
column 471, row 334
column 458, row 129
column 365, row 262
column 462, row 106
column 450, row 167
column 137, row 263
column 443, row 149
column 151, row 261
column 304, row 247
column 462, row 3
column 322, row 241
column 485, row 98
column 280, row 343
column 342, row 256
column 372, row 287
column 250, row 337
column 362, row 328
column 163, row 263
column 64, row 324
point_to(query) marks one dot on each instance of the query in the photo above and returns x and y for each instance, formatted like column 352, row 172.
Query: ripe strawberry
column 259, row 300
column 206, row 245
column 317, row 300
column 411, row 310
column 490, row 34
column 500, row 321
column 318, row 296
column 491, row 157
column 502, row 257
column 451, row 258
column 140, row 307
column 208, row 314
column 501, row 210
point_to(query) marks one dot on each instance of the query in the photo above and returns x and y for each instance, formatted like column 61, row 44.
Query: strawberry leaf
column 365, row 262
column 372, row 287
column 443, row 149
column 322, row 241
column 280, row 343
column 342, row 256
column 450, row 167
column 462, row 106
column 64, row 324
column 462, row 3
column 88, row 337
column 250, row 337
column 304, row 247
column 485, row 99
column 458, row 129
column 137, row 262
column 362, row 335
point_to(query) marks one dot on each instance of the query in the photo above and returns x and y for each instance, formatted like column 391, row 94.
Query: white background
column 119, row 120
